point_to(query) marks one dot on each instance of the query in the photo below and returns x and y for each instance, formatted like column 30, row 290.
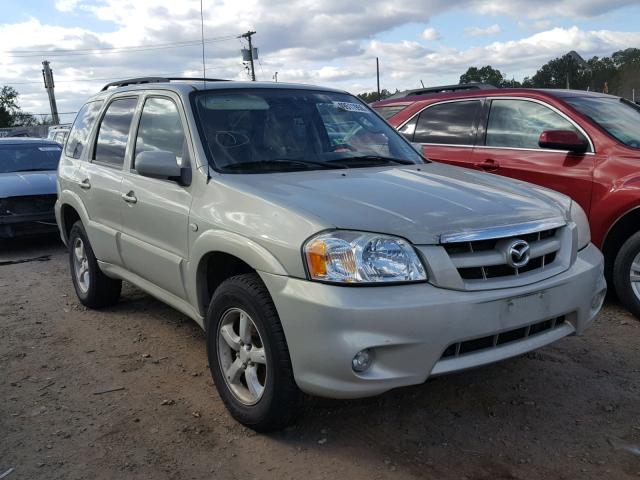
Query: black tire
column 621, row 274
column 280, row 400
column 102, row 291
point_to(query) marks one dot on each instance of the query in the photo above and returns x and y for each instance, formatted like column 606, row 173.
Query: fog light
column 362, row 361
column 598, row 299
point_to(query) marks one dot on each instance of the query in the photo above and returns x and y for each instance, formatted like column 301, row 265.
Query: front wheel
column 626, row 274
column 248, row 355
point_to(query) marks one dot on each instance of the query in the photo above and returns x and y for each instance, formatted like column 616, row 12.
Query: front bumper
column 409, row 327
column 27, row 224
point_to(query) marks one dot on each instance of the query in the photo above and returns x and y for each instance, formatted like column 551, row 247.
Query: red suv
column 583, row 144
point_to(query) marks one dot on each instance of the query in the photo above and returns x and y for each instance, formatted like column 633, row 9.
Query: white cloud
column 329, row 42
column 66, row 5
column 430, row 34
column 479, row 31
column 550, row 8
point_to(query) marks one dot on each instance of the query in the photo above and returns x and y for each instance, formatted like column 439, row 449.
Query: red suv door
column 446, row 131
column 508, row 145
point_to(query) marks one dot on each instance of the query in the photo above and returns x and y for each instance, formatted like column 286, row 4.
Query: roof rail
column 143, row 80
column 443, row 88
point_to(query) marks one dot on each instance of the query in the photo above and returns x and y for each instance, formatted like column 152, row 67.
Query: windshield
column 619, row 117
column 266, row 130
column 29, row 158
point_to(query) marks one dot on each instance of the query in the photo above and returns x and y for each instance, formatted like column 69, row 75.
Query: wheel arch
column 219, row 255
column 71, row 210
column 625, row 226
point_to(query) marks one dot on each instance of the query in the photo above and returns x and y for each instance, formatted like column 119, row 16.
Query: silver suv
column 316, row 248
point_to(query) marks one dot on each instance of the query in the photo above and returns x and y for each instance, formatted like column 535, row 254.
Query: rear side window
column 113, row 134
column 161, row 129
column 519, row 123
column 389, row 111
column 448, row 123
column 81, row 128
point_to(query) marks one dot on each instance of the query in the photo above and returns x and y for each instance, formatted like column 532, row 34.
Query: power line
column 104, row 79
column 100, row 51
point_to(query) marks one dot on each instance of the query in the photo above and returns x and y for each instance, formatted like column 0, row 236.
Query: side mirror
column 563, row 140
column 162, row 164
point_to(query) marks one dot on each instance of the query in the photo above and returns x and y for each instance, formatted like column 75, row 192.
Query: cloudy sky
column 326, row 42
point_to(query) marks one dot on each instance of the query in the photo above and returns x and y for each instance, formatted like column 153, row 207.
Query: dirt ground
column 568, row 411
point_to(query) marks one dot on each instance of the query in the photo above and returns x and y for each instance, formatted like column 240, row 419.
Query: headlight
column 359, row 257
column 582, row 223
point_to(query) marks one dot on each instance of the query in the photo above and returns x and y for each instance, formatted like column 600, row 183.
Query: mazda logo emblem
column 518, row 253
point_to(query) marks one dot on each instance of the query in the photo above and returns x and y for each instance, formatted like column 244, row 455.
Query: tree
column 8, row 105
column 369, row 97
column 10, row 113
column 486, row 74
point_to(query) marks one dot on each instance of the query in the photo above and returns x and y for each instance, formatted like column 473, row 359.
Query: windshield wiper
column 283, row 162
column 34, row 170
column 378, row 159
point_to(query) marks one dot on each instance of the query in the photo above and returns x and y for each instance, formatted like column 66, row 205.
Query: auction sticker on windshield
column 351, row 107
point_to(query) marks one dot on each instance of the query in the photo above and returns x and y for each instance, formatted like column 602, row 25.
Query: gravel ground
column 568, row 411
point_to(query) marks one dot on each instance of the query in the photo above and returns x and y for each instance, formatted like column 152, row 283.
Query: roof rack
column 143, row 80
column 442, row 89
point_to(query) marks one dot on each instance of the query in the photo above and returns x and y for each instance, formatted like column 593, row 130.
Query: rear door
column 446, row 131
column 508, row 145
column 100, row 179
column 156, row 211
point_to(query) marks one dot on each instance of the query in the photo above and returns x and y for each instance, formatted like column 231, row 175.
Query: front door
column 156, row 211
column 510, row 148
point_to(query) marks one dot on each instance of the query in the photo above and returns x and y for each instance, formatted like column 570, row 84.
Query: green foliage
column 10, row 113
column 369, row 97
column 614, row 74
column 486, row 74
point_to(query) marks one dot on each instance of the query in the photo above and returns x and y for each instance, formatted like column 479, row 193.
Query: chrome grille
column 483, row 260
column 492, row 341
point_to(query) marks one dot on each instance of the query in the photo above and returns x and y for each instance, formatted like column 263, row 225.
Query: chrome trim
column 528, row 99
column 503, row 231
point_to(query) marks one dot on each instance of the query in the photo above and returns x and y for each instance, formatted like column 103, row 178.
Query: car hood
column 419, row 203
column 15, row 184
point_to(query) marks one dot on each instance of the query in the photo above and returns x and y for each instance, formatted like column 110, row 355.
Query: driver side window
column 519, row 123
column 161, row 128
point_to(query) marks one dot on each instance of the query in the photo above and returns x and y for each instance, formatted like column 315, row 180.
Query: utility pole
column 47, row 75
column 248, row 37
column 378, row 76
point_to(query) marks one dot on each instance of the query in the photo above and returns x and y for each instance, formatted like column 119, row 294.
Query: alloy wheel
column 634, row 275
column 81, row 265
column 242, row 356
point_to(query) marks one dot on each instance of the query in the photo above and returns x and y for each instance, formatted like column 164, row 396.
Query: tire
column 93, row 288
column 273, row 402
column 628, row 258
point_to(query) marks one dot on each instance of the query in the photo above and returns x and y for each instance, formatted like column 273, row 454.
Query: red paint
column 605, row 183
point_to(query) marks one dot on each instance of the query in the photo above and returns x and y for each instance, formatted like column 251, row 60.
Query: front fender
column 221, row 241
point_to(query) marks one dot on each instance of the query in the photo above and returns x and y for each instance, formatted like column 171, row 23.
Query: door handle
column 129, row 197
column 85, row 184
column 489, row 165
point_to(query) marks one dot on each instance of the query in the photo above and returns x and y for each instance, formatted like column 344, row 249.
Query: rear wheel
column 626, row 274
column 94, row 288
column 248, row 355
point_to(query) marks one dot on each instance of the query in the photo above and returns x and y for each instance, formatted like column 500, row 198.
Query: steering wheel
column 343, row 147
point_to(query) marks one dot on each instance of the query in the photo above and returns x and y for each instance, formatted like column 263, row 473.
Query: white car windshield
column 269, row 129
